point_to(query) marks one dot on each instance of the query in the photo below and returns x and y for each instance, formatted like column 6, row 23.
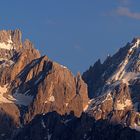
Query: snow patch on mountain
column 22, row 99
column 96, row 103
column 66, row 104
column 51, row 99
column 17, row 98
column 87, row 107
column 49, row 136
column 43, row 124
column 129, row 76
column 123, row 72
column 63, row 66
column 4, row 97
column 8, row 45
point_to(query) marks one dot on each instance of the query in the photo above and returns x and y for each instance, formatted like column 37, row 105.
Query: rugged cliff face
column 98, row 74
column 32, row 84
column 118, row 96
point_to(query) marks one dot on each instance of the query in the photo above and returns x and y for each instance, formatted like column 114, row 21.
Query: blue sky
column 74, row 33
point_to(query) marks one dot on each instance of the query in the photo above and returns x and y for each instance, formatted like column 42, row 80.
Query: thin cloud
column 126, row 12
column 77, row 46
column 124, row 2
column 50, row 22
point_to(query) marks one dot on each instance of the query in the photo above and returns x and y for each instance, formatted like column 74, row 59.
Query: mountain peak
column 10, row 40
column 32, row 84
column 11, row 47
column 129, row 68
column 14, row 35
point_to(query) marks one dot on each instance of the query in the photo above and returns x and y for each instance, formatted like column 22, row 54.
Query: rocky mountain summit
column 32, row 84
column 42, row 100
column 117, row 97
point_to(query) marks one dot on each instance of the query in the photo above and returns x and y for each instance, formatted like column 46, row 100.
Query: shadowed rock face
column 68, row 127
column 98, row 74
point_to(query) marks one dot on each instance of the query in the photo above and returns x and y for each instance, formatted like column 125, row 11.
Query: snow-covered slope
column 117, row 98
column 129, row 69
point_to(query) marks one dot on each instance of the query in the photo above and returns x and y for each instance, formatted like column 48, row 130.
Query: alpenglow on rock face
column 42, row 100
column 32, row 84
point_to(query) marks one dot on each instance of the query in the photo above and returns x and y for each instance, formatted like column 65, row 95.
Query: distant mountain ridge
column 41, row 99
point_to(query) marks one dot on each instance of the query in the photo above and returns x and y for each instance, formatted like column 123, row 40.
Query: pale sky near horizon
column 74, row 33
